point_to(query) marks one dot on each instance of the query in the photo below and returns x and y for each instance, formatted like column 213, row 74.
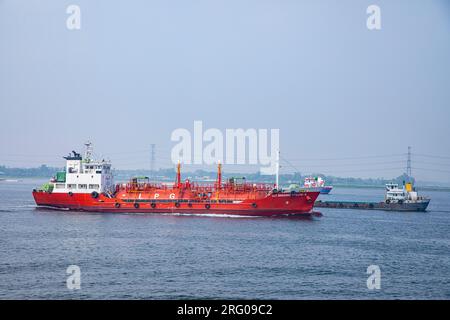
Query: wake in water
column 45, row 208
column 210, row 215
column 179, row 214
column 17, row 208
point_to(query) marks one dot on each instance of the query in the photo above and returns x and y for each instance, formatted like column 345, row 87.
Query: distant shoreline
column 350, row 186
column 418, row 186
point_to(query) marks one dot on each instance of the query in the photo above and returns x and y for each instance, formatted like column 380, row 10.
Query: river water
column 137, row 256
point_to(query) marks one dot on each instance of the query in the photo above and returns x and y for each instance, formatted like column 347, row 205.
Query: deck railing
column 195, row 187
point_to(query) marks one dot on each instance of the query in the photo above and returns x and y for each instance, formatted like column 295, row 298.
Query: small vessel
column 317, row 183
column 87, row 185
column 405, row 198
column 396, row 199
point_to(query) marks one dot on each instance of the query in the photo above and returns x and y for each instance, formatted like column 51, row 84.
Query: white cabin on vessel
column 84, row 175
column 314, row 182
column 404, row 194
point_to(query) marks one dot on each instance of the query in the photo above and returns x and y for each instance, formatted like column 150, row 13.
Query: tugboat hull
column 405, row 206
column 326, row 190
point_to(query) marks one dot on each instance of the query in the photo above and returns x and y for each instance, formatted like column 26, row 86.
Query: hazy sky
column 137, row 70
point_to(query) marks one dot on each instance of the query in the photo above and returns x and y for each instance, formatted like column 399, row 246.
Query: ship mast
column 277, row 169
column 89, row 150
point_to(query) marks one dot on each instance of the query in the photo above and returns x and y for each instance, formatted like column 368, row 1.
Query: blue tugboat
column 318, row 184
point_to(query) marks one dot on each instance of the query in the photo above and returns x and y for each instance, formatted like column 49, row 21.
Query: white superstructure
column 84, row 175
column 313, row 182
column 406, row 194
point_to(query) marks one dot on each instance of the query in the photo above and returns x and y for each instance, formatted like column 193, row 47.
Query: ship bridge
column 84, row 175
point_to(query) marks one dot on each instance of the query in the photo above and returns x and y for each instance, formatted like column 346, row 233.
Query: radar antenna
column 89, row 151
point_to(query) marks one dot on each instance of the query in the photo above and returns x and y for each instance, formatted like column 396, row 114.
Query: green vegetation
column 40, row 172
column 47, row 187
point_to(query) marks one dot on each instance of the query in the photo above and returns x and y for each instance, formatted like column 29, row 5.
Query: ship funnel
column 178, row 183
column 409, row 187
column 219, row 175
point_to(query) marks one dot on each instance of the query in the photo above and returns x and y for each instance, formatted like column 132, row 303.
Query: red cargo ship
column 87, row 185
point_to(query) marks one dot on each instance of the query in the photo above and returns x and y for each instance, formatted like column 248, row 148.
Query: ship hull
column 271, row 205
column 326, row 190
column 321, row 190
column 420, row 206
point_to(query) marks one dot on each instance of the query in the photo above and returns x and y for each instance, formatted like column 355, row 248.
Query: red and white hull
column 87, row 185
column 270, row 205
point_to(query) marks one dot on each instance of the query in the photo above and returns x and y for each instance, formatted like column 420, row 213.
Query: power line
column 431, row 156
column 373, row 169
column 351, row 164
column 349, row 158
column 428, row 169
column 143, row 151
column 290, row 164
column 152, row 158
column 432, row 163
column 408, row 163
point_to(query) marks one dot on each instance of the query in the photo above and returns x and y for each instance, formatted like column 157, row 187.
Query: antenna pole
column 277, row 170
column 152, row 159
column 88, row 154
